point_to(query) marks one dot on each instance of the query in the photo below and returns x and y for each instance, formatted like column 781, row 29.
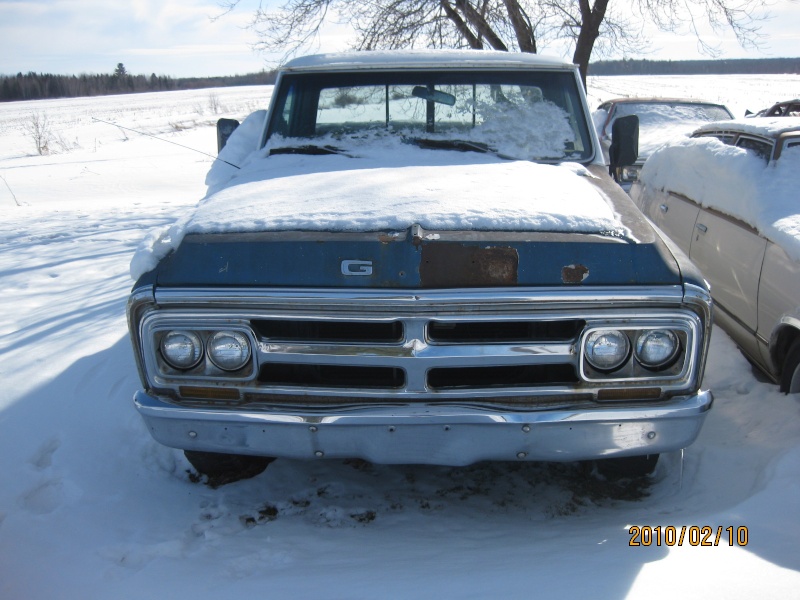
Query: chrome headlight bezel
column 678, row 367
column 155, row 328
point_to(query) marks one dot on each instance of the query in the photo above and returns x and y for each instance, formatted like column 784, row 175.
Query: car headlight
column 229, row 350
column 181, row 349
column 607, row 349
column 656, row 348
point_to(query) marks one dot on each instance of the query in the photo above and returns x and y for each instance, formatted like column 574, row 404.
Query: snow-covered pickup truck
column 419, row 257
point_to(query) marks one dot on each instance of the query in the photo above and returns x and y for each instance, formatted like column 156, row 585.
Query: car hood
column 420, row 223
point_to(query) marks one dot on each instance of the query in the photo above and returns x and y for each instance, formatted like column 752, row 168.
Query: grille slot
column 331, row 376
column 501, row 377
column 328, row 331
column 504, row 331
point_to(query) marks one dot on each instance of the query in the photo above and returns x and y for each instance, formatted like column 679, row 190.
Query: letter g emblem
column 356, row 267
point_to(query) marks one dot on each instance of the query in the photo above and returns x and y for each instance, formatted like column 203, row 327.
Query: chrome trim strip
column 420, row 300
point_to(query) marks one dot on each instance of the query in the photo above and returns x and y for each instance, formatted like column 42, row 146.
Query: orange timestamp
column 691, row 535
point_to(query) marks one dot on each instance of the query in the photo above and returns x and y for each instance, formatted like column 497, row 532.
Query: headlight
column 606, row 349
column 182, row 349
column 229, row 350
column 656, row 348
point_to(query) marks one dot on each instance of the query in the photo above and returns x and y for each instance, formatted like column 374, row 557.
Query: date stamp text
column 689, row 535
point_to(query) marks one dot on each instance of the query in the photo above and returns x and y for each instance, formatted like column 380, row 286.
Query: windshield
column 653, row 114
column 518, row 114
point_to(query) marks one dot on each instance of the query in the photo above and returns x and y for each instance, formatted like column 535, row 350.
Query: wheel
column 627, row 467
column 790, row 376
column 226, row 468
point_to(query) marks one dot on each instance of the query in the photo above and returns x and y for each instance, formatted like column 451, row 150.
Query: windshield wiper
column 307, row 149
column 460, row 145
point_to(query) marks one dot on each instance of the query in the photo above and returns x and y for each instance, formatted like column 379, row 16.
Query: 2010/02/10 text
column 694, row 535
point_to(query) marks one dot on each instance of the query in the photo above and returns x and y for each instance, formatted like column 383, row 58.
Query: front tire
column 627, row 467
column 790, row 376
column 226, row 468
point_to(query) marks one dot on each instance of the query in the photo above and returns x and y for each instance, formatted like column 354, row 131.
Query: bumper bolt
column 319, row 454
column 192, row 434
column 526, row 428
column 312, row 429
column 522, row 454
column 651, row 435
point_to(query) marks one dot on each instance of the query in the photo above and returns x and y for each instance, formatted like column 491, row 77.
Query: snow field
column 91, row 507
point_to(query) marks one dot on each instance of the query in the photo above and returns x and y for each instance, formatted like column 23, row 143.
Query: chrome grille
column 428, row 355
column 417, row 348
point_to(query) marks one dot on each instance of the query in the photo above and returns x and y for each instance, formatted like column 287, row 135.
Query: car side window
column 725, row 138
column 759, row 147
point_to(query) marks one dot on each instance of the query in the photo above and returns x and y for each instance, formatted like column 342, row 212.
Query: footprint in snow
column 44, row 456
column 44, row 498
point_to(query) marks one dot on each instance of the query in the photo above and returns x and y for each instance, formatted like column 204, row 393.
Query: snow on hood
column 735, row 182
column 390, row 188
column 506, row 196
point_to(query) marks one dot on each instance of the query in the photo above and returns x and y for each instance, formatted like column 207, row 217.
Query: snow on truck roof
column 422, row 59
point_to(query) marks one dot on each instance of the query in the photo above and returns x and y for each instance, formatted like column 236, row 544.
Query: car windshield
column 531, row 115
column 656, row 114
column 666, row 122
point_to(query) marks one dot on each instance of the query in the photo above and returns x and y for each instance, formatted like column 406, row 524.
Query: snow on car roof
column 659, row 100
column 393, row 59
column 765, row 126
column 733, row 181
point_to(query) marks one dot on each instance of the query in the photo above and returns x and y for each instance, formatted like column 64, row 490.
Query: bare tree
column 37, row 127
column 590, row 26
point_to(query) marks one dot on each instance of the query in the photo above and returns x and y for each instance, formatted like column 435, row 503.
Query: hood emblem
column 356, row 267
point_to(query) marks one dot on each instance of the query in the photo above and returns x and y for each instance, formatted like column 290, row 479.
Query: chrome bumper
column 441, row 435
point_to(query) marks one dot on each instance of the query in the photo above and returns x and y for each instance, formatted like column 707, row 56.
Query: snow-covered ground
column 91, row 507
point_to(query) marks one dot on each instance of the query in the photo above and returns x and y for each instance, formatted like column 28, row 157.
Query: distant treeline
column 38, row 86
column 744, row 66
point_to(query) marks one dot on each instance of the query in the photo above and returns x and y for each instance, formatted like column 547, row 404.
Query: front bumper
column 441, row 435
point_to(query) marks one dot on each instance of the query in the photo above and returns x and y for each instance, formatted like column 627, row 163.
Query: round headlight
column 182, row 349
column 656, row 348
column 229, row 350
column 606, row 349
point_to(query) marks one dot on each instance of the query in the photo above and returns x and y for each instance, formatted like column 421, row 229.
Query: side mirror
column 624, row 148
column 225, row 127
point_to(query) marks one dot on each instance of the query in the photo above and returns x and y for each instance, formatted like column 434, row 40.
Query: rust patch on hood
column 574, row 274
column 452, row 264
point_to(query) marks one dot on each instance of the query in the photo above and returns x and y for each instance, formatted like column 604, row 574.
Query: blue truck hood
column 416, row 257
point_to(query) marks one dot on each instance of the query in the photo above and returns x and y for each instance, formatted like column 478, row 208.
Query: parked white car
column 728, row 197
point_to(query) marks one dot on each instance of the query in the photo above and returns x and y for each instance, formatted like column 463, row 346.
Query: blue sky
column 179, row 37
